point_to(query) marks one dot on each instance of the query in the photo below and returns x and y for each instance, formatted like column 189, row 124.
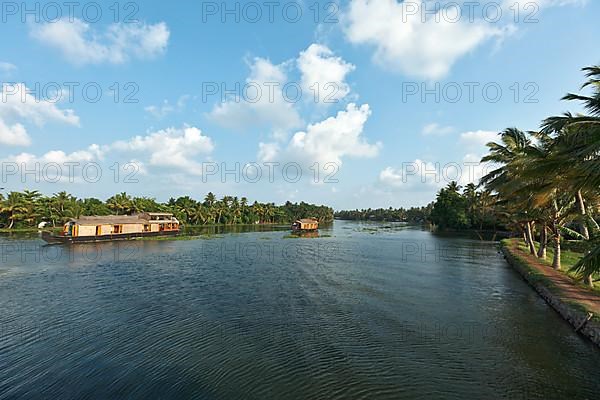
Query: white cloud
column 7, row 68
column 319, row 66
column 119, row 43
column 93, row 153
column 15, row 135
column 435, row 129
column 544, row 3
column 261, row 101
column 476, row 140
column 424, row 175
column 265, row 106
column 414, row 174
column 167, row 108
column 326, row 141
column 18, row 106
column 268, row 152
column 18, row 103
column 404, row 42
column 171, row 147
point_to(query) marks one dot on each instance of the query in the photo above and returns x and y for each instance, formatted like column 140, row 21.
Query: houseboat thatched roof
column 308, row 220
column 111, row 220
column 143, row 218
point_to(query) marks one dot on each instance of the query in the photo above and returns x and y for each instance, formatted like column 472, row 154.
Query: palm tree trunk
column 556, row 261
column 529, row 238
column 543, row 243
column 12, row 222
column 588, row 281
column 581, row 206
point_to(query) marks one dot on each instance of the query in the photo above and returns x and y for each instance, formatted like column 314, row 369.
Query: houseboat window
column 146, row 228
column 98, row 230
column 118, row 229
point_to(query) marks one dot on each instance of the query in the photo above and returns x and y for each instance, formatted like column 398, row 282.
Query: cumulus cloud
column 265, row 104
column 322, row 80
column 18, row 102
column 405, row 42
column 15, row 135
column 321, row 70
column 412, row 174
column 171, row 147
column 117, row 44
column 419, row 175
column 18, row 106
column 326, row 141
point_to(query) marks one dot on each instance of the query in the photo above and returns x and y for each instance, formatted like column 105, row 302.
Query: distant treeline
column 27, row 209
column 416, row 215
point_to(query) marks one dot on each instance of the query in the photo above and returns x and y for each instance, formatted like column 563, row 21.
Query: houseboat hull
column 59, row 239
column 295, row 229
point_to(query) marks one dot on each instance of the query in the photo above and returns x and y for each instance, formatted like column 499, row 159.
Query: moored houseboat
column 305, row 225
column 115, row 227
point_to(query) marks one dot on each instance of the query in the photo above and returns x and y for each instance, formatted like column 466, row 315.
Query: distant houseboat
column 305, row 224
column 115, row 227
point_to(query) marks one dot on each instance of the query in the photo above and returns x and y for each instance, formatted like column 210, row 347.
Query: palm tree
column 578, row 156
column 470, row 193
column 14, row 207
column 505, row 180
column 210, row 199
column 453, row 186
column 120, row 203
column 31, row 203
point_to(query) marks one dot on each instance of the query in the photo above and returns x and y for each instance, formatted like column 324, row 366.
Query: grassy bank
column 561, row 286
column 568, row 259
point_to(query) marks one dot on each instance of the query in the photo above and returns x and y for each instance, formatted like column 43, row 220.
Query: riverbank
column 578, row 305
column 59, row 228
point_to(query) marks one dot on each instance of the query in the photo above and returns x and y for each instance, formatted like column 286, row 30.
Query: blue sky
column 166, row 132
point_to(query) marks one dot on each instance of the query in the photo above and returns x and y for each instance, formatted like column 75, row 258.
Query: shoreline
column 572, row 304
column 58, row 228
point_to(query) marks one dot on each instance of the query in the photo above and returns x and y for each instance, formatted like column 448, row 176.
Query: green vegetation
column 470, row 209
column 568, row 258
column 414, row 215
column 25, row 210
column 544, row 185
column 534, row 276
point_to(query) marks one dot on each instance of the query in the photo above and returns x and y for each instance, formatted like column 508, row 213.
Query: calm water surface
column 366, row 311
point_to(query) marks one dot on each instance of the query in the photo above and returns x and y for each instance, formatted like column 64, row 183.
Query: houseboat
column 115, row 227
column 305, row 225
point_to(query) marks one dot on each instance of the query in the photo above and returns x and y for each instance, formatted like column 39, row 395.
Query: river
column 366, row 310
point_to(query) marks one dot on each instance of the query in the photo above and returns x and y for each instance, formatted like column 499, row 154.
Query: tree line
column 545, row 184
column 414, row 215
column 28, row 208
column 466, row 208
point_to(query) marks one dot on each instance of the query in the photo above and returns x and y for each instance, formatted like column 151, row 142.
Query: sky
column 353, row 104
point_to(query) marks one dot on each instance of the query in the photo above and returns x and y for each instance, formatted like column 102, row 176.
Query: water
column 364, row 311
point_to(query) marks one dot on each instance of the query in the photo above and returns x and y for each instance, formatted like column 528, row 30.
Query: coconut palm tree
column 14, row 207
column 577, row 156
column 507, row 181
column 120, row 203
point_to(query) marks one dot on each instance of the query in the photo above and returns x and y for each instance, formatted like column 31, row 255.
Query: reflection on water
column 362, row 311
column 220, row 229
